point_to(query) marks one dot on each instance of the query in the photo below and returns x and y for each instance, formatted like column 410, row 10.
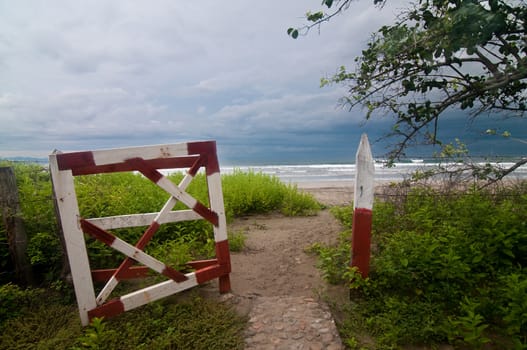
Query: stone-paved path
column 291, row 323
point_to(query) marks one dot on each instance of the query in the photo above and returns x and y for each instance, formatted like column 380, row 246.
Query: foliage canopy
column 439, row 54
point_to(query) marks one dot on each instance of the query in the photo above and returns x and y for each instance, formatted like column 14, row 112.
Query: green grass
column 189, row 322
column 445, row 268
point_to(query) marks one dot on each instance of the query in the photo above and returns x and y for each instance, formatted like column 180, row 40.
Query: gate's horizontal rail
column 135, row 220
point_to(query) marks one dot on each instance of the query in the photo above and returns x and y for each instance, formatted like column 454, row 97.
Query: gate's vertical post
column 363, row 204
column 66, row 200
column 220, row 231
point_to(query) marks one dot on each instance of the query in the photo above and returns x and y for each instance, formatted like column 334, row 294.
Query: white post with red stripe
column 146, row 160
column 66, row 200
column 363, row 204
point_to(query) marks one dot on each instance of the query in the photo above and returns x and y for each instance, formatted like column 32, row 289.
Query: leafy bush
column 332, row 260
column 237, row 241
column 249, row 193
column 14, row 301
column 446, row 267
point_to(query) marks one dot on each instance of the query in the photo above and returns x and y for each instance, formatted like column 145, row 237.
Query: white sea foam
column 346, row 172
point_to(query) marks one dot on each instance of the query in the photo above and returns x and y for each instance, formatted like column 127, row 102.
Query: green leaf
column 314, row 17
column 328, row 3
column 294, row 34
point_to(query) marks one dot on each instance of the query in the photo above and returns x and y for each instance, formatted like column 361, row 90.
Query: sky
column 86, row 75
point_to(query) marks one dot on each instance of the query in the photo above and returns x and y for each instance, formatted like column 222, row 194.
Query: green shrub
column 237, row 241
column 446, row 267
column 15, row 300
column 512, row 293
column 333, row 260
column 249, row 193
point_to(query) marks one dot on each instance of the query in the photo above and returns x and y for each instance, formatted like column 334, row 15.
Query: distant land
column 26, row 159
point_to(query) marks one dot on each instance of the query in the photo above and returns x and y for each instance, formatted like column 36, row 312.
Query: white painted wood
column 134, row 220
column 138, row 255
column 119, row 155
column 173, row 200
column 68, row 210
column 140, row 297
column 185, row 181
column 107, row 290
column 217, row 206
column 163, row 213
column 364, row 178
column 177, row 192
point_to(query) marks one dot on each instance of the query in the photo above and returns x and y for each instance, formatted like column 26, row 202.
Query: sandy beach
column 330, row 192
column 337, row 192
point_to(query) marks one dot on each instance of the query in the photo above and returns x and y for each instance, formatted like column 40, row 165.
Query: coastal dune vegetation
column 45, row 316
column 448, row 267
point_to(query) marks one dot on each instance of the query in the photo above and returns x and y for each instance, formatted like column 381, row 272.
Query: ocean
column 311, row 173
column 324, row 173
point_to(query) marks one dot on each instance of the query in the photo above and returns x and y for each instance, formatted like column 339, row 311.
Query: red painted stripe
column 361, row 240
column 97, row 232
column 224, row 258
column 195, row 167
column 147, row 236
column 209, row 273
column 158, row 163
column 103, row 275
column 75, row 160
column 207, row 148
column 121, row 271
column 206, row 213
column 213, row 165
column 173, row 274
column 220, row 271
column 112, row 308
column 201, row 147
column 212, row 272
column 223, row 254
column 140, row 165
column 224, row 282
column 201, row 264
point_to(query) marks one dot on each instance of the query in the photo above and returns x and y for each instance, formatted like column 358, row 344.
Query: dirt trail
column 277, row 284
column 274, row 262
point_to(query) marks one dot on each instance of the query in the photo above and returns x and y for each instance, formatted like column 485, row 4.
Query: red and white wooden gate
column 146, row 160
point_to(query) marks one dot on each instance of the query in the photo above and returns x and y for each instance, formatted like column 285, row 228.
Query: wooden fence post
column 363, row 204
column 16, row 234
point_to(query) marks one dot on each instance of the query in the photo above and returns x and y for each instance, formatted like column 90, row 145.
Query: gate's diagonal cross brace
column 167, row 185
column 130, row 251
column 147, row 236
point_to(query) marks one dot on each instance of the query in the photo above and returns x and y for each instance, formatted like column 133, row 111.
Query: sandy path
column 274, row 262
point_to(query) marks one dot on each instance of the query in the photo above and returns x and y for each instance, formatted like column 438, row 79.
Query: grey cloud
column 107, row 73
